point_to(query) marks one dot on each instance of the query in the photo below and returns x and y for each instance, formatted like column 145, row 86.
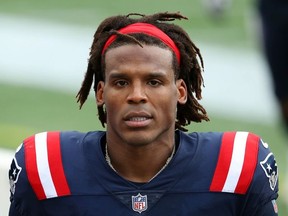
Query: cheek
column 112, row 111
column 111, row 96
column 167, row 103
column 167, row 114
column 112, row 104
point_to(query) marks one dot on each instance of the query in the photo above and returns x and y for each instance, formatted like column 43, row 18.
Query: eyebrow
column 157, row 74
column 117, row 75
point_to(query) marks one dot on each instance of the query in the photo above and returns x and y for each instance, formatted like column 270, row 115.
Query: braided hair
column 190, row 67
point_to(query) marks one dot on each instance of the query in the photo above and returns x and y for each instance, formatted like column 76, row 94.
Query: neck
column 139, row 164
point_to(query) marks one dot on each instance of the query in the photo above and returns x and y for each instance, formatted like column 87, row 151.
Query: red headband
column 147, row 29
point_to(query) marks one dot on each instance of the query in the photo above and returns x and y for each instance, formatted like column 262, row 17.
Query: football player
column 147, row 77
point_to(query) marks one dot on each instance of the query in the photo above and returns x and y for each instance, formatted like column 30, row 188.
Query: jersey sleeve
column 247, row 167
column 264, row 187
column 269, row 209
column 37, row 174
column 22, row 198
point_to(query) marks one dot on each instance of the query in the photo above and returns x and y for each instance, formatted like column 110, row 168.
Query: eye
column 121, row 83
column 154, row 83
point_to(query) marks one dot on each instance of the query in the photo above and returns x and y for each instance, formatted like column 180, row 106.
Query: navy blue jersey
column 65, row 173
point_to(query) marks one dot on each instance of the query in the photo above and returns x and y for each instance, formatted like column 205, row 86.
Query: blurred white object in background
column 216, row 8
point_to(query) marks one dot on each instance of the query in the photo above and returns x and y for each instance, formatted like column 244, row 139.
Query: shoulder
column 41, row 163
column 248, row 165
column 56, row 142
column 236, row 163
column 240, row 161
column 226, row 139
column 53, row 138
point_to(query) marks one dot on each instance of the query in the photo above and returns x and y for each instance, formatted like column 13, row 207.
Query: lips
column 138, row 119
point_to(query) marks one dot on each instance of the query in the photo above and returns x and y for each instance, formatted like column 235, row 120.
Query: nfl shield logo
column 139, row 203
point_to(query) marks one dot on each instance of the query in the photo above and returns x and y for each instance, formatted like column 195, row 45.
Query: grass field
column 27, row 110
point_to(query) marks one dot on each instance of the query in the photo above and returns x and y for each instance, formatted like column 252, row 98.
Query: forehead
column 133, row 54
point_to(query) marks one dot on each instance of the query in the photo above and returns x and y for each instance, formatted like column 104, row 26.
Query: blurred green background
column 231, row 30
column 27, row 109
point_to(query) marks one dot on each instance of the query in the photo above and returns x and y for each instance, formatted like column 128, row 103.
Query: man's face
column 140, row 94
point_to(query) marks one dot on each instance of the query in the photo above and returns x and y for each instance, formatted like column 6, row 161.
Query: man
column 147, row 77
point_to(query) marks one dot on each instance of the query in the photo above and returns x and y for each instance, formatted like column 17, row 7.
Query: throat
column 136, row 176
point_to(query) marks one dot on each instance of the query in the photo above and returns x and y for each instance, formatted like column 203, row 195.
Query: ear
column 99, row 94
column 182, row 91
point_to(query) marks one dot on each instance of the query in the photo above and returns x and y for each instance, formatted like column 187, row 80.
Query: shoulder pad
column 237, row 162
column 44, row 165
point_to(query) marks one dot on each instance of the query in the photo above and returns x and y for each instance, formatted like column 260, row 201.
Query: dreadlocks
column 189, row 69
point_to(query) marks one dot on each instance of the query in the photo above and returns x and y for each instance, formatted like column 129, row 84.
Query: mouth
column 139, row 119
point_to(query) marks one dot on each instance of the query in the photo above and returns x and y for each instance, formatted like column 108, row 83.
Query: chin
column 138, row 140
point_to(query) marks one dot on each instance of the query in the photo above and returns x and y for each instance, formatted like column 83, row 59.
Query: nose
column 137, row 94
